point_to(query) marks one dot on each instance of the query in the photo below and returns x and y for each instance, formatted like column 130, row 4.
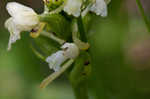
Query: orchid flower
column 22, row 18
column 69, row 51
column 73, row 7
column 99, row 7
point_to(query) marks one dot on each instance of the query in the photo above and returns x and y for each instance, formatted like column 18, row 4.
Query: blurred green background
column 120, row 51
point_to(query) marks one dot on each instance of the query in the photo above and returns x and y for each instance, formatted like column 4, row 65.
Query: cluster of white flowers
column 24, row 18
column 73, row 7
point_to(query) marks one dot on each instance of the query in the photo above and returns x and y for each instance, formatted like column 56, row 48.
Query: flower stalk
column 53, row 76
column 78, row 77
column 75, row 31
column 81, row 29
column 37, row 53
column 53, row 37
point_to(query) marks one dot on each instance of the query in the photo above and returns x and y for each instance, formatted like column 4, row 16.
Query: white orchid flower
column 69, row 51
column 22, row 19
column 73, row 7
column 99, row 7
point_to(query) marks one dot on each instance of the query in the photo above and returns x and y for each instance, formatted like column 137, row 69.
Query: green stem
column 143, row 14
column 37, row 53
column 81, row 29
column 53, row 37
column 79, row 76
column 75, row 31
column 81, row 92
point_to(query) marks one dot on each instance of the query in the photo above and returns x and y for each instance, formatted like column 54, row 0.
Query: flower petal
column 14, row 32
column 22, row 15
column 15, row 8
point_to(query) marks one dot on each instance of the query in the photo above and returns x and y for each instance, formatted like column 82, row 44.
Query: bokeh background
column 120, row 51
